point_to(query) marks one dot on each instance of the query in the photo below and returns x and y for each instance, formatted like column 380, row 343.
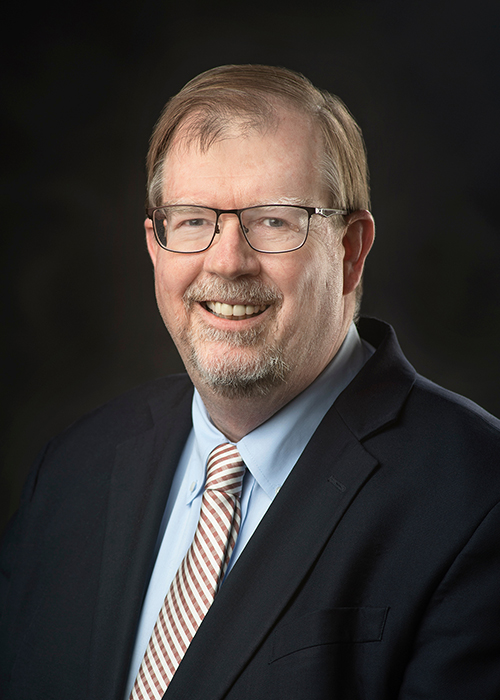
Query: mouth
column 236, row 312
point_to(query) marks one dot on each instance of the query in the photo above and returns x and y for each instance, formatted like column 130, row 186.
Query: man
column 356, row 554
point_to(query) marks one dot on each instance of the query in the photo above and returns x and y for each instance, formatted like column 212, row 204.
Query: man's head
column 239, row 137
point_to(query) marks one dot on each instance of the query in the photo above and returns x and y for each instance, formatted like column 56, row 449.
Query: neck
column 236, row 417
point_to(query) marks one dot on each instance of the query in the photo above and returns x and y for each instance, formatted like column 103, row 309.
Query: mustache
column 252, row 291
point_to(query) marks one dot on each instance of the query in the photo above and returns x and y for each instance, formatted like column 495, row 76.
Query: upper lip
column 237, row 302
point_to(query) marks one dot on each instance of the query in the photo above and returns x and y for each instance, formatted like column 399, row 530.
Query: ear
column 358, row 239
column 151, row 240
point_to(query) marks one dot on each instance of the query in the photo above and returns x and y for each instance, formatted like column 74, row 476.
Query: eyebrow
column 280, row 200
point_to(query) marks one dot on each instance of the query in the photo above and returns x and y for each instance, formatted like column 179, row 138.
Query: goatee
column 235, row 374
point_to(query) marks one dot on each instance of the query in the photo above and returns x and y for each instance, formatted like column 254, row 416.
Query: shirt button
column 192, row 487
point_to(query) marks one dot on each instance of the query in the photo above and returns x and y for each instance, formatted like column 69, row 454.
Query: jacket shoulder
column 390, row 388
column 132, row 412
column 455, row 419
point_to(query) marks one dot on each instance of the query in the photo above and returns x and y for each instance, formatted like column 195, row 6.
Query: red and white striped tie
column 195, row 584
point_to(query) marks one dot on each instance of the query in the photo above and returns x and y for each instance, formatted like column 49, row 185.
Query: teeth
column 237, row 310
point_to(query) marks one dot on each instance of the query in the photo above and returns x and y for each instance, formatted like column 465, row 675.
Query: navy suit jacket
column 374, row 575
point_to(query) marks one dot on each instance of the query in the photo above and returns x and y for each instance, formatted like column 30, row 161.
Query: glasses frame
column 321, row 211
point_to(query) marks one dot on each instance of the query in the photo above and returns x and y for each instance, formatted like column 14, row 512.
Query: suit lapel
column 140, row 483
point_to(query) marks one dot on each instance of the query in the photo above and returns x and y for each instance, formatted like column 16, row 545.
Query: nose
column 230, row 256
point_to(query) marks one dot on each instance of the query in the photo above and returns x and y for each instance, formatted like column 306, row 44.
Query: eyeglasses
column 273, row 228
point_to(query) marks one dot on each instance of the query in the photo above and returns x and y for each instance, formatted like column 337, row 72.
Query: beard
column 238, row 374
column 249, row 365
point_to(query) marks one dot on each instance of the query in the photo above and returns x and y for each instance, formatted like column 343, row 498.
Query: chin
column 236, row 374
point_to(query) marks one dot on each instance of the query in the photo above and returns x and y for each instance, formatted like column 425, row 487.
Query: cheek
column 308, row 286
column 170, row 286
column 318, row 280
column 320, row 303
column 332, row 270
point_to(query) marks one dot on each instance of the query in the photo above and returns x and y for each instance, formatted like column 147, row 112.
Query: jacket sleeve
column 11, row 542
column 457, row 649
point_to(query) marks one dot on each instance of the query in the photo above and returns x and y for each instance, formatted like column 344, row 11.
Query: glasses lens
column 184, row 229
column 275, row 229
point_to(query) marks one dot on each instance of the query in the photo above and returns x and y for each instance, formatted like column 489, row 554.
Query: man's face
column 248, row 323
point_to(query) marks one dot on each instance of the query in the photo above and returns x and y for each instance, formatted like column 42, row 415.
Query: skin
column 308, row 294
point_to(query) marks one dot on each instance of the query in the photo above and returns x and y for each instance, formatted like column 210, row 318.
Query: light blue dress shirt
column 269, row 452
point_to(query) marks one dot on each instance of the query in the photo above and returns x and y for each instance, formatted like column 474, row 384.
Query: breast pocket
column 334, row 626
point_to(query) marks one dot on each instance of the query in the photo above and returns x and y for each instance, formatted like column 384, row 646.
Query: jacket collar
column 376, row 395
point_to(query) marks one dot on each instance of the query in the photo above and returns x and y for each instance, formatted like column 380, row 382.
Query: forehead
column 281, row 158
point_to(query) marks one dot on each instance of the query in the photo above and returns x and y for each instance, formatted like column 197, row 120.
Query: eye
column 187, row 219
column 274, row 223
column 273, row 218
column 193, row 223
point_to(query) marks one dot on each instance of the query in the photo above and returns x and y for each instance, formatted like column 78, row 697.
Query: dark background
column 82, row 87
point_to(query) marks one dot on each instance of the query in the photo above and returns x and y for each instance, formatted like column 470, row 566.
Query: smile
column 234, row 311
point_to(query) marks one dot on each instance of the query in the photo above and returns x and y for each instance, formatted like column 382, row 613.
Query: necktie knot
column 225, row 470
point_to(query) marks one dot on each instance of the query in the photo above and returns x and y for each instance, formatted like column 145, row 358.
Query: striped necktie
column 196, row 582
